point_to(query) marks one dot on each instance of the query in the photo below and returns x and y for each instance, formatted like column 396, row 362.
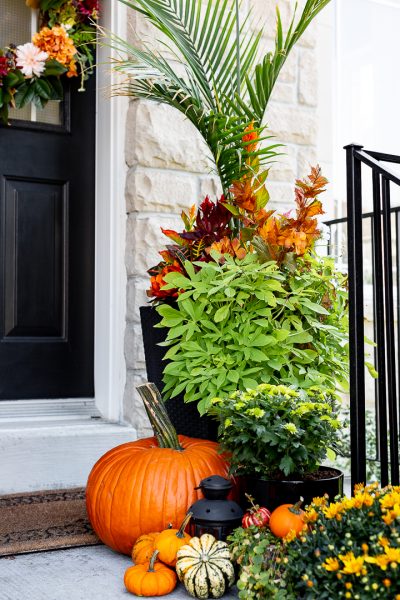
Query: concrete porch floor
column 86, row 573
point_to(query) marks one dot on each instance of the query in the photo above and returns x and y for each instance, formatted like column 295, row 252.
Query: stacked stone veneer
column 169, row 170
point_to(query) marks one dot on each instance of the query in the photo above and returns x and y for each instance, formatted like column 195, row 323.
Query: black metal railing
column 382, row 227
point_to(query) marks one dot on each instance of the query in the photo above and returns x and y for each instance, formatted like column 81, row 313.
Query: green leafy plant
column 260, row 560
column 276, row 431
column 224, row 87
column 242, row 323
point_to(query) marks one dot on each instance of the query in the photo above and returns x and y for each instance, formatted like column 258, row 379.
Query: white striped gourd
column 205, row 568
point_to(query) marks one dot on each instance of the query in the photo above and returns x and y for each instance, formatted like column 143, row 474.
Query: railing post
column 379, row 330
column 390, row 334
column 356, row 316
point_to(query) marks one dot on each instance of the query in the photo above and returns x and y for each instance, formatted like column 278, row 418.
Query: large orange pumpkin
column 142, row 486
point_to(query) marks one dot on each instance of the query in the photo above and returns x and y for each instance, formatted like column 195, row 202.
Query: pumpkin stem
column 182, row 528
column 296, row 508
column 161, row 424
column 152, row 561
column 254, row 507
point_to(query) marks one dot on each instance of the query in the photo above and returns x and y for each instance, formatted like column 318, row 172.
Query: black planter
column 185, row 417
column 273, row 493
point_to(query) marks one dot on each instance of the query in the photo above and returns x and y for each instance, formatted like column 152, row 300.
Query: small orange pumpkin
column 171, row 540
column 287, row 517
column 151, row 579
column 144, row 548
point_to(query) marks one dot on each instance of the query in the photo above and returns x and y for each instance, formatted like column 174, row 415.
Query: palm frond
column 261, row 83
column 222, row 91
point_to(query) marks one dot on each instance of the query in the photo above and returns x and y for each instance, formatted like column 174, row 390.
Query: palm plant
column 225, row 87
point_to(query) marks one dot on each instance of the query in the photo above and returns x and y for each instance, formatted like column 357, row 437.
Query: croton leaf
column 174, row 236
column 262, row 197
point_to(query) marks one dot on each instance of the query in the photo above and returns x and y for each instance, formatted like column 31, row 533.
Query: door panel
column 34, row 298
column 47, row 199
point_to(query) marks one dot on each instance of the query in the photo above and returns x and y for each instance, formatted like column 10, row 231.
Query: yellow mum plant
column 351, row 548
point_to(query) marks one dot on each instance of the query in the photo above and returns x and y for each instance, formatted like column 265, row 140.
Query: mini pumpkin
column 256, row 515
column 286, row 518
column 169, row 541
column 205, row 567
column 144, row 548
column 151, row 579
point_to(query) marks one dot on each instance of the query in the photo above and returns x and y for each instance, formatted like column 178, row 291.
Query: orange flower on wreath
column 59, row 46
column 157, row 281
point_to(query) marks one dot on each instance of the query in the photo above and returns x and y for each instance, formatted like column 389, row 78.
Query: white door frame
column 51, row 430
column 110, row 271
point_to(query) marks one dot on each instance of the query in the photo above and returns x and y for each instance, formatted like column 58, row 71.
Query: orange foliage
column 297, row 234
column 250, row 138
column 228, row 246
column 157, row 282
column 243, row 193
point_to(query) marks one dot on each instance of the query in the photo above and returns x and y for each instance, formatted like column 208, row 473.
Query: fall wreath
column 63, row 46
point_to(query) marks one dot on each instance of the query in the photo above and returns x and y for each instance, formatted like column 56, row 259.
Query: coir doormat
column 48, row 520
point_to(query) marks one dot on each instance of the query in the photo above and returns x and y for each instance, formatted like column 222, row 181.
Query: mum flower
column 290, row 427
column 391, row 555
column 320, row 501
column 331, row 564
column 31, row 60
column 392, row 515
column 390, row 500
column 333, row 510
column 351, row 564
column 311, row 515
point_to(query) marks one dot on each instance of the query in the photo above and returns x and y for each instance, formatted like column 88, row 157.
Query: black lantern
column 214, row 513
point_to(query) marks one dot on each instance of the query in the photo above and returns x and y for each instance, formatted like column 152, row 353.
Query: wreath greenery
column 63, row 46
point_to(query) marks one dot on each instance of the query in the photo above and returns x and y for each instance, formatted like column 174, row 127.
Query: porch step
column 54, row 454
column 39, row 410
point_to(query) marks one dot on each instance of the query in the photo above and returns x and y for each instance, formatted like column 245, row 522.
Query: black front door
column 47, row 200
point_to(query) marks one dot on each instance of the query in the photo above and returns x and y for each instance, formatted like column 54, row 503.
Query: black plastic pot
column 273, row 493
column 185, row 417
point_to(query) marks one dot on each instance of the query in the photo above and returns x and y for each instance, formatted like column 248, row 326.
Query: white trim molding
column 110, row 294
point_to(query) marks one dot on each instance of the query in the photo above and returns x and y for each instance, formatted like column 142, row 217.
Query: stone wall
column 169, row 170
